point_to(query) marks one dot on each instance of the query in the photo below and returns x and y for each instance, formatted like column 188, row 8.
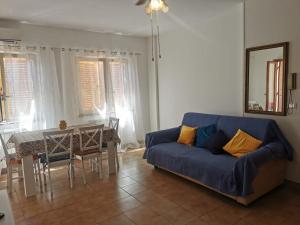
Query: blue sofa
column 243, row 179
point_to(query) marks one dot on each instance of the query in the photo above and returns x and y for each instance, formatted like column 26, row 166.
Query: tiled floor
column 140, row 194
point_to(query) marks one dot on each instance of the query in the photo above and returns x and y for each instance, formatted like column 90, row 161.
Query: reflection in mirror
column 266, row 74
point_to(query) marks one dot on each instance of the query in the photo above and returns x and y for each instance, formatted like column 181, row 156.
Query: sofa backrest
column 259, row 128
column 199, row 119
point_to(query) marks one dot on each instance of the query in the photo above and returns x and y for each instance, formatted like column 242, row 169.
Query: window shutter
column 117, row 77
column 92, row 88
column 18, row 86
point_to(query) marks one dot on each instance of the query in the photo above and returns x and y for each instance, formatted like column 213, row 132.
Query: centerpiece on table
column 63, row 125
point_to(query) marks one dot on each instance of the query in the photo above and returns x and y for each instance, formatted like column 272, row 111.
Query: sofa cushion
column 203, row 134
column 216, row 142
column 242, row 144
column 187, row 135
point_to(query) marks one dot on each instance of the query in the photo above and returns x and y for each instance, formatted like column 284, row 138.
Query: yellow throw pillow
column 242, row 144
column 187, row 135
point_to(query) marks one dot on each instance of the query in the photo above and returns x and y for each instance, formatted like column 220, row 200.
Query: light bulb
column 156, row 5
column 165, row 7
column 148, row 10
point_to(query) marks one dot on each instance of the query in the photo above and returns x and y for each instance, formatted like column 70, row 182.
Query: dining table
column 29, row 143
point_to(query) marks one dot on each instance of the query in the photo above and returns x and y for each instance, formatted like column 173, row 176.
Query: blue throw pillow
column 216, row 142
column 203, row 134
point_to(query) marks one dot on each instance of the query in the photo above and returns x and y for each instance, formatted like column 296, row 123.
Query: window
column 92, row 87
column 15, row 86
column 117, row 69
column 92, row 84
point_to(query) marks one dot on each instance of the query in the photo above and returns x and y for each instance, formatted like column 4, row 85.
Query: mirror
column 266, row 73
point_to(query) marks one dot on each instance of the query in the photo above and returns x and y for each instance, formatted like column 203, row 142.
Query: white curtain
column 128, row 110
column 54, row 84
column 50, row 93
column 69, row 85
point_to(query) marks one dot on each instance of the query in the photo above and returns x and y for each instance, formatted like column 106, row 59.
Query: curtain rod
column 113, row 52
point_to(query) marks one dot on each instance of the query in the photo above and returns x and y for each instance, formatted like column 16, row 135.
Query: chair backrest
column 58, row 143
column 91, row 137
column 114, row 123
column 4, row 146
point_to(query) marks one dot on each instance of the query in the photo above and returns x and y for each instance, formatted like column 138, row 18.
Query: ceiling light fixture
column 153, row 8
column 156, row 6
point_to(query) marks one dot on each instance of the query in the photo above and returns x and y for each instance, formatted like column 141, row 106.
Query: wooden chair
column 14, row 165
column 114, row 124
column 90, row 147
column 59, row 152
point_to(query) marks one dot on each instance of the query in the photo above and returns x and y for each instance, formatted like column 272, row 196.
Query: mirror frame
column 285, row 46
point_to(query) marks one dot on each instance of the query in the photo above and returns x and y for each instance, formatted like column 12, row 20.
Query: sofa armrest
column 247, row 166
column 162, row 136
column 265, row 153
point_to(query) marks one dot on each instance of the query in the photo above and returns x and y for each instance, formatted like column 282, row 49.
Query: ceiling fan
column 154, row 5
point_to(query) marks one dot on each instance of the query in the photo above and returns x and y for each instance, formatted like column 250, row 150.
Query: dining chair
column 90, row 139
column 59, row 152
column 14, row 165
column 114, row 124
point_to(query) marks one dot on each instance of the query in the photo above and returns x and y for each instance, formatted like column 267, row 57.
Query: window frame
column 4, row 112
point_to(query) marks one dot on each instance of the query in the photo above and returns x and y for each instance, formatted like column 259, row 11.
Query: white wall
column 273, row 21
column 58, row 37
column 201, row 69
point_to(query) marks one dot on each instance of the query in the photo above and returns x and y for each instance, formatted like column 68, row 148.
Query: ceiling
column 108, row 16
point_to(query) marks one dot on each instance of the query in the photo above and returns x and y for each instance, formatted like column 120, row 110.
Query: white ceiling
column 108, row 16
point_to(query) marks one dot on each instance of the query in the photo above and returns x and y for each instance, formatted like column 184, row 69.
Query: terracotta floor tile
column 118, row 220
column 141, row 195
column 141, row 215
column 178, row 216
column 134, row 188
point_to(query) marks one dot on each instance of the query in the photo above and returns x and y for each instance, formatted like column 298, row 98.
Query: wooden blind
column 92, row 88
column 117, row 77
column 18, row 87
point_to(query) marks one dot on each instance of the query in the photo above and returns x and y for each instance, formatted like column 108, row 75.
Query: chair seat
column 78, row 152
column 43, row 158
column 104, row 145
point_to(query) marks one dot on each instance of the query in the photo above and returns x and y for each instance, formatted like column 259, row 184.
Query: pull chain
column 158, row 34
column 152, row 37
column 158, row 41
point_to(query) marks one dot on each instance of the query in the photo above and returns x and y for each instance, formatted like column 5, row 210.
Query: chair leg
column 50, row 181
column 73, row 170
column 117, row 158
column 9, row 178
column 39, row 174
column 44, row 175
column 71, row 176
column 92, row 164
column 100, row 166
column 83, row 171
column 97, row 164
